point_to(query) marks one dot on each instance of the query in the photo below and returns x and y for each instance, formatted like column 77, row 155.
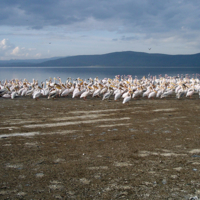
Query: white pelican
column 104, row 90
column 125, row 94
column 180, row 94
column 108, row 94
column 53, row 93
column 167, row 94
column 86, row 93
column 20, row 90
column 96, row 91
column 127, row 98
column 2, row 91
column 23, row 93
column 71, row 89
column 77, row 92
column 50, row 82
column 13, row 94
column 36, row 94
column 65, row 92
column 30, row 92
column 7, row 95
column 45, row 92
column 118, row 94
column 177, row 88
column 137, row 93
column 190, row 92
column 160, row 92
column 152, row 94
column 146, row 94
column 59, row 88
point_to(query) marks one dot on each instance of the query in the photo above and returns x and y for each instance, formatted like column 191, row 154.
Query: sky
column 33, row 29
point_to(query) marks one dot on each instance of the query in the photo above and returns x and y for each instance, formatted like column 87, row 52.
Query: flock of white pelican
column 120, row 87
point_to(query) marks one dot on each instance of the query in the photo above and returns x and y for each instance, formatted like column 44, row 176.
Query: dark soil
column 74, row 149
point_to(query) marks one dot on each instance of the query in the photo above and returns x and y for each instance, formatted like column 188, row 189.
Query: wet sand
column 74, row 149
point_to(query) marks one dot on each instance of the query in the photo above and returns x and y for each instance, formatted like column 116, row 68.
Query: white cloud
column 32, row 49
column 38, row 55
column 11, row 51
column 5, row 48
column 15, row 51
column 5, row 45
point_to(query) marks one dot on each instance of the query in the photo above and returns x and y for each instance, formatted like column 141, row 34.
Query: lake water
column 43, row 73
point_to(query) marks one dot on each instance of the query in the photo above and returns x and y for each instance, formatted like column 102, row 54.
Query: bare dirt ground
column 74, row 149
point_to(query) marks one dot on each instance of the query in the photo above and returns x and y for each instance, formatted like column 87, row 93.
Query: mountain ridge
column 120, row 59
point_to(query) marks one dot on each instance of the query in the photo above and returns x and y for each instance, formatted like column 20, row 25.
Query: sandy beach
column 74, row 149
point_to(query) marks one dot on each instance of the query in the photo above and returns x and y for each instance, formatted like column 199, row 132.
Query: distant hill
column 126, row 58
column 25, row 62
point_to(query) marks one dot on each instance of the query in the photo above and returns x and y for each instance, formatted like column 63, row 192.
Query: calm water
column 43, row 73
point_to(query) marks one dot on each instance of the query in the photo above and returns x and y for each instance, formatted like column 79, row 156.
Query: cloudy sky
column 32, row 29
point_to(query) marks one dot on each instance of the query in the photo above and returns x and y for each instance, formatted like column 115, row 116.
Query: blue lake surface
column 43, row 73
